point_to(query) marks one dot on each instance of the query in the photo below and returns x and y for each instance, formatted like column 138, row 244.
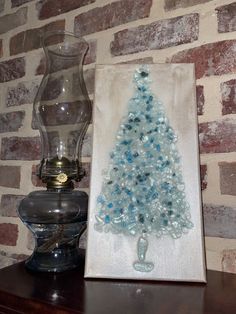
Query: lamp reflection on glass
column 57, row 217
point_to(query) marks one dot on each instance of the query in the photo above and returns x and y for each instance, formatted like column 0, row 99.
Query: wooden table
column 22, row 291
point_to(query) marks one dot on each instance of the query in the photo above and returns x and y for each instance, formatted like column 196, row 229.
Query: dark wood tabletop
column 22, row 291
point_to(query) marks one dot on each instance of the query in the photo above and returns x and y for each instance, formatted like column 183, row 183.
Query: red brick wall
column 122, row 31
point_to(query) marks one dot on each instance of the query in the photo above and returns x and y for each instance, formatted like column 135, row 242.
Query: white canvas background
column 112, row 256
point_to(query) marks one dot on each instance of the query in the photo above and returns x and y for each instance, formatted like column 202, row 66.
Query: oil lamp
column 57, row 216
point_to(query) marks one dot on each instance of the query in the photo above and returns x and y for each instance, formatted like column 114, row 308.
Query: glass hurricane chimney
column 62, row 107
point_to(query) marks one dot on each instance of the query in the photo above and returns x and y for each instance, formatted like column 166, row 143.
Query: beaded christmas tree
column 143, row 190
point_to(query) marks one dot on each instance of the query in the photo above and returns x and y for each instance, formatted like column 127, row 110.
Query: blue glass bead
column 100, row 199
column 116, row 211
column 149, row 154
column 128, row 192
column 165, row 222
column 110, row 205
column 131, row 207
column 107, row 219
column 141, row 218
column 126, row 142
column 165, row 185
column 170, row 137
column 149, row 107
column 144, row 74
column 128, row 126
column 155, row 196
column 146, row 145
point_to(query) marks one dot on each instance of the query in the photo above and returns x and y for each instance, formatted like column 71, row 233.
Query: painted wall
column 198, row 31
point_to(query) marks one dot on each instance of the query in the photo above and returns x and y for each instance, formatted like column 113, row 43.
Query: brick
column 53, row 88
column 90, row 57
column 35, row 179
column 1, row 48
column 58, row 64
column 111, row 15
column 30, row 39
column 228, row 178
column 226, row 16
column 10, row 176
column 51, row 115
column 203, row 176
column 228, row 96
column 17, row 3
column 8, row 234
column 18, row 257
column 2, row 4
column 55, row 66
column 7, row 259
column 12, row 69
column 219, row 221
column 11, row 121
column 210, row 59
column 200, row 99
column 157, row 35
column 176, row 4
column 217, row 136
column 20, row 148
column 22, row 93
column 228, row 262
column 49, row 8
column 11, row 21
column 9, row 205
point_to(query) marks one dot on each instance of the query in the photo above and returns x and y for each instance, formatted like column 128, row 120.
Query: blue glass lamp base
column 63, row 254
column 57, row 220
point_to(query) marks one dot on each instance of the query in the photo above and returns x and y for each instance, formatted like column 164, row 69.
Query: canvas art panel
column 145, row 215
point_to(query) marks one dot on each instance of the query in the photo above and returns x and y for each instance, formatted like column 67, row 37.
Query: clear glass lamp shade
column 62, row 106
